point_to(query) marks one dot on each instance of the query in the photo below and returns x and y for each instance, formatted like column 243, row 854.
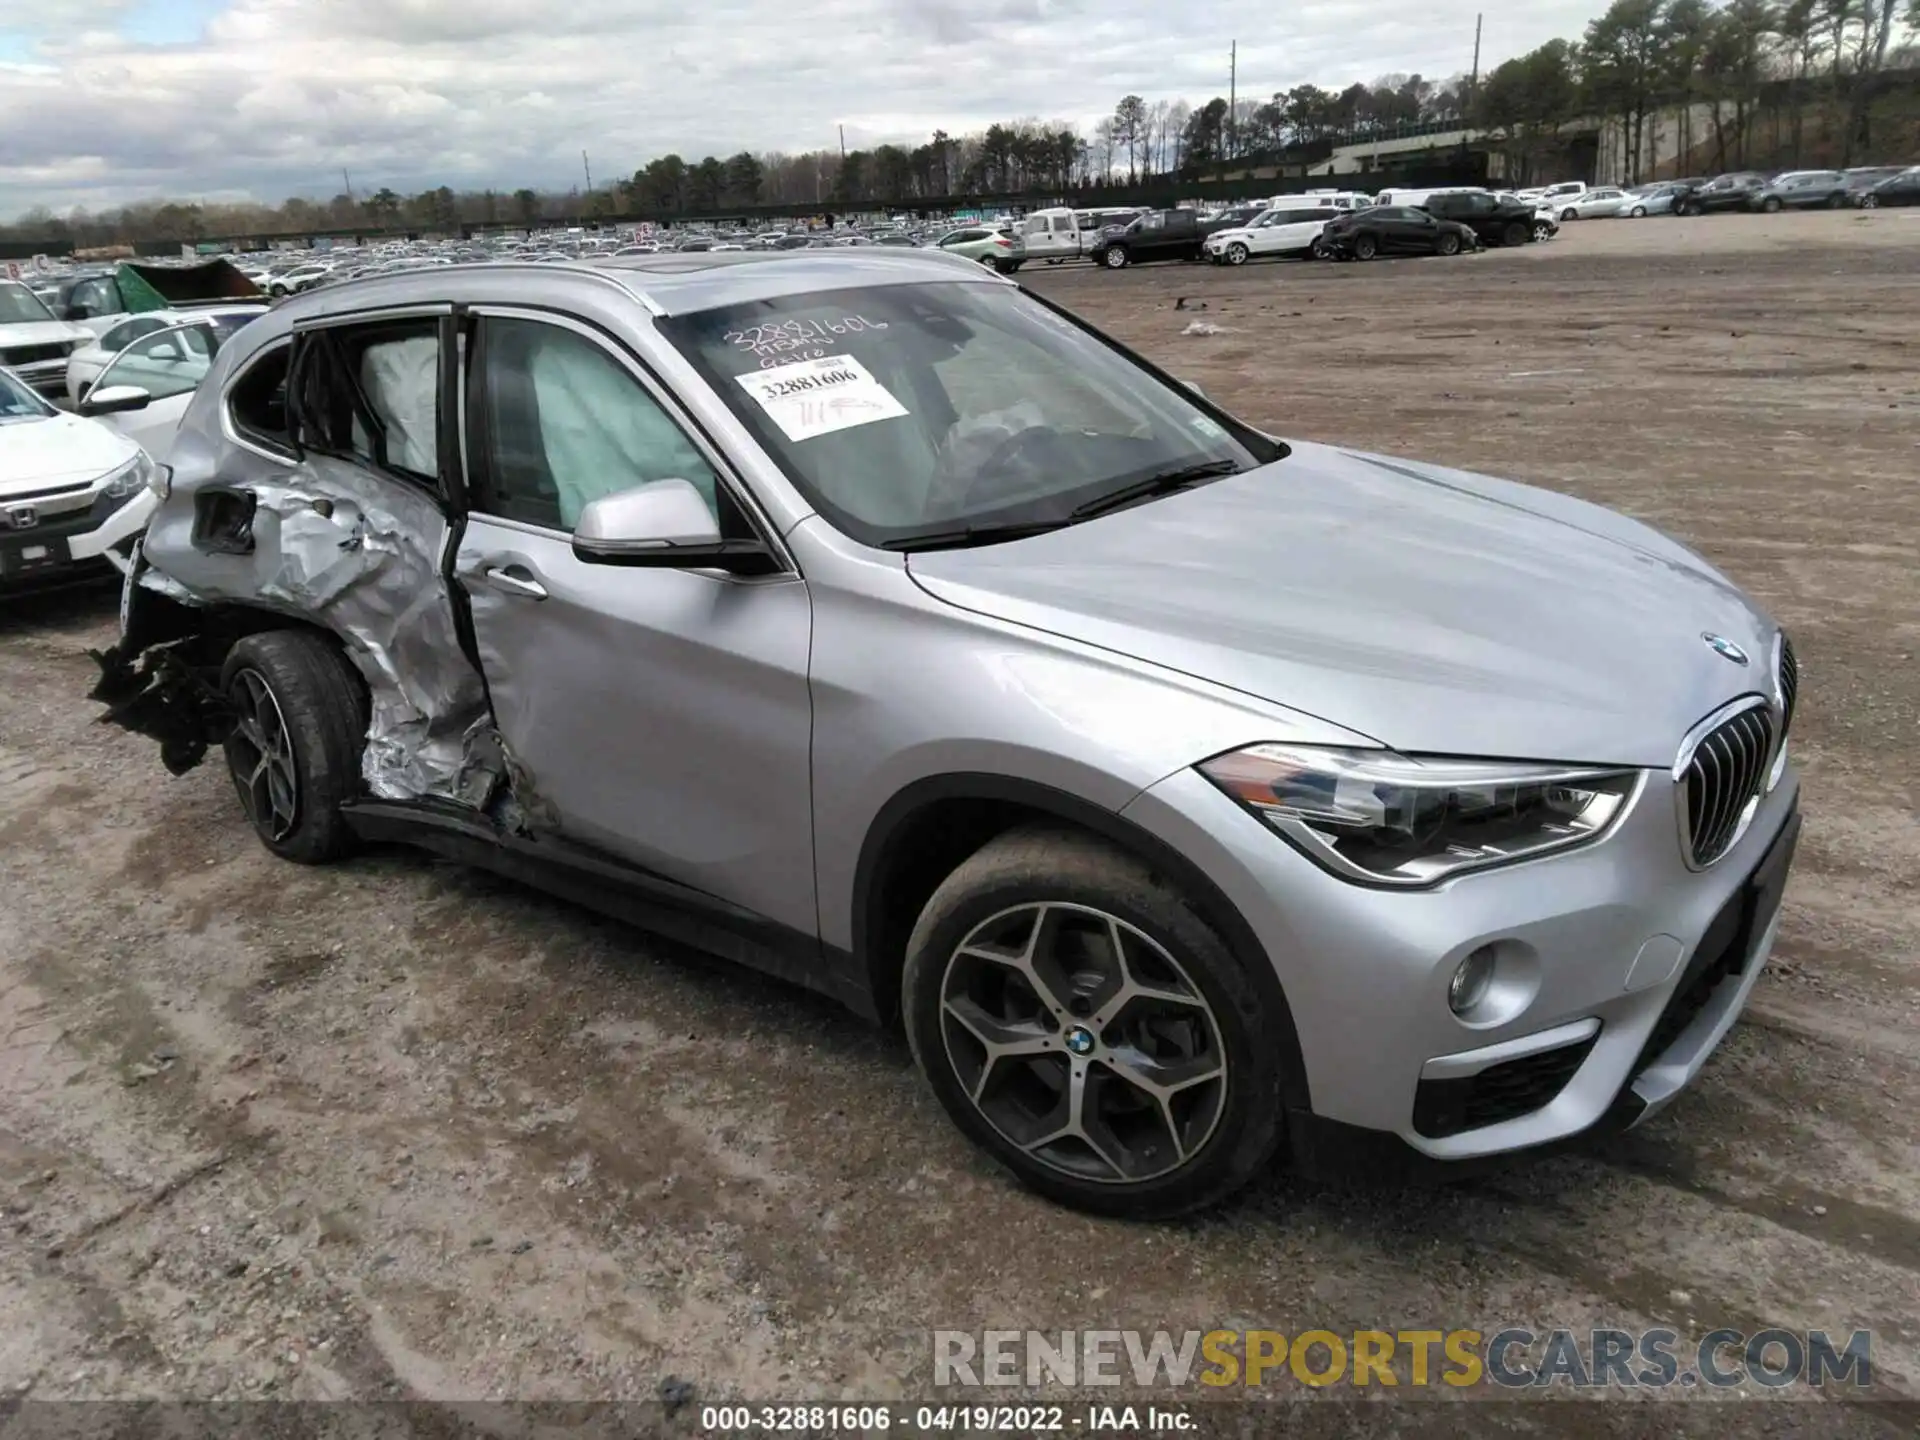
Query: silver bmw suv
column 1193, row 799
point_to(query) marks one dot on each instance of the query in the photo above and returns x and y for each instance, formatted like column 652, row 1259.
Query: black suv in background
column 1394, row 230
column 1732, row 191
column 1156, row 235
column 1493, row 220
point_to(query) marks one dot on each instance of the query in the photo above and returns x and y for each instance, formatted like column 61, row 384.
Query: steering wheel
column 1020, row 456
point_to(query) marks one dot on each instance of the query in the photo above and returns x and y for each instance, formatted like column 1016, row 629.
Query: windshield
column 911, row 411
column 19, row 305
column 17, row 402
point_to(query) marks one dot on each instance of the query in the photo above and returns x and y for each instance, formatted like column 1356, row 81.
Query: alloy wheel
column 1236, row 254
column 1083, row 1042
column 261, row 755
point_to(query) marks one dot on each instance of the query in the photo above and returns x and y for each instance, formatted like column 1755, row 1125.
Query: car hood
column 61, row 449
column 41, row 332
column 1432, row 610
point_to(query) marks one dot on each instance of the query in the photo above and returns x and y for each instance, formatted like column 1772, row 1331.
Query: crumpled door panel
column 358, row 554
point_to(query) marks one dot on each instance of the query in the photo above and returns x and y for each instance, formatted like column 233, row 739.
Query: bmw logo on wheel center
column 1724, row 647
column 1080, row 1040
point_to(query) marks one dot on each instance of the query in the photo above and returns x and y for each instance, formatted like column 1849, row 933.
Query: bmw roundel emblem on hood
column 1724, row 647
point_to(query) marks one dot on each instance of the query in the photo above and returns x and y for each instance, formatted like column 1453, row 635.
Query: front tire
column 1515, row 233
column 1638, row 212
column 1446, row 245
column 1869, row 202
column 1566, row 215
column 294, row 752
column 1365, row 247
column 1237, row 254
column 1770, row 205
column 1115, row 258
column 1080, row 1022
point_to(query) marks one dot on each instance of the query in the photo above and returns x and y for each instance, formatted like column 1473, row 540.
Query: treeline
column 1809, row 63
column 1814, row 64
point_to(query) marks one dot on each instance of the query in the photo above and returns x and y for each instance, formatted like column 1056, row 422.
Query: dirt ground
column 395, row 1129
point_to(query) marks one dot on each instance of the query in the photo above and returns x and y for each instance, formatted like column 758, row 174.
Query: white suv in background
column 1294, row 230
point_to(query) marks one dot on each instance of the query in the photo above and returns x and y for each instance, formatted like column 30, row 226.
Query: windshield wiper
column 966, row 535
column 1160, row 483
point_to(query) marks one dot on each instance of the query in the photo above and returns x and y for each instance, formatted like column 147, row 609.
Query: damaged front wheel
column 294, row 751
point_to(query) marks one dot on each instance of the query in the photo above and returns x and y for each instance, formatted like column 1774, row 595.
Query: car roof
column 667, row 283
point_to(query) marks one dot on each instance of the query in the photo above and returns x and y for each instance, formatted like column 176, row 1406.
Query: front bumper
column 1630, row 969
column 67, row 543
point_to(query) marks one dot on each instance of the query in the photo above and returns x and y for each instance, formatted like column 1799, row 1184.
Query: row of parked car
column 1866, row 187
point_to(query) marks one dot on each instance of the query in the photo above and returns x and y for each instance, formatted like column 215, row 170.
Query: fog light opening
column 1471, row 981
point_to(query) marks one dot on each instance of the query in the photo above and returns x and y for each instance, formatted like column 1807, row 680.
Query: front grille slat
column 1722, row 777
column 1789, row 685
column 33, row 354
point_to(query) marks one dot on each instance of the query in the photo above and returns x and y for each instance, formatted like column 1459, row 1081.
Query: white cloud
column 281, row 95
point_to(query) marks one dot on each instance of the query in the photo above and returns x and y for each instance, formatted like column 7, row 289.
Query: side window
column 164, row 364
column 90, row 298
column 399, row 374
column 565, row 423
column 370, row 393
column 257, row 402
column 128, row 331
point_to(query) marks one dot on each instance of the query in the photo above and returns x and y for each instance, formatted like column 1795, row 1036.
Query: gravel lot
column 397, row 1129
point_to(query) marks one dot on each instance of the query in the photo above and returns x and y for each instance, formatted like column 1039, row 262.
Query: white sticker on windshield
column 817, row 397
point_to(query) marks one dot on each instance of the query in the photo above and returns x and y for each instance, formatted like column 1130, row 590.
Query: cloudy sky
column 106, row 101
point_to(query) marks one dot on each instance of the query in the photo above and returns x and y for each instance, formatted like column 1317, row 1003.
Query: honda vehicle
column 861, row 617
column 73, row 493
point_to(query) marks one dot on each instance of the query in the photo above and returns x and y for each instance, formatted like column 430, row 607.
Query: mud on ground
column 398, row 1129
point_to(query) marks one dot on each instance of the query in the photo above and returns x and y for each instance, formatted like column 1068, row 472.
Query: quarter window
column 257, row 403
column 566, row 423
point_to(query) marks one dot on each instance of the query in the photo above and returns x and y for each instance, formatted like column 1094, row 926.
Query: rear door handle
column 515, row 581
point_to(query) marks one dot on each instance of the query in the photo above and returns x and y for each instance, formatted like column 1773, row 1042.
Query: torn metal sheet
column 361, row 556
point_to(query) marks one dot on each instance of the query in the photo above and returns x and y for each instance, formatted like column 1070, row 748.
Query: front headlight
column 127, row 481
column 1379, row 818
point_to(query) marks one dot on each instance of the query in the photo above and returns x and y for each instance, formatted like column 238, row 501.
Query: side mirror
column 664, row 525
column 1194, row 386
column 114, row 400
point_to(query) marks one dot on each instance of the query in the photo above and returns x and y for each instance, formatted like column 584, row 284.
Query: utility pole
column 587, row 170
column 1233, row 92
column 843, row 142
column 1473, row 84
column 347, row 180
